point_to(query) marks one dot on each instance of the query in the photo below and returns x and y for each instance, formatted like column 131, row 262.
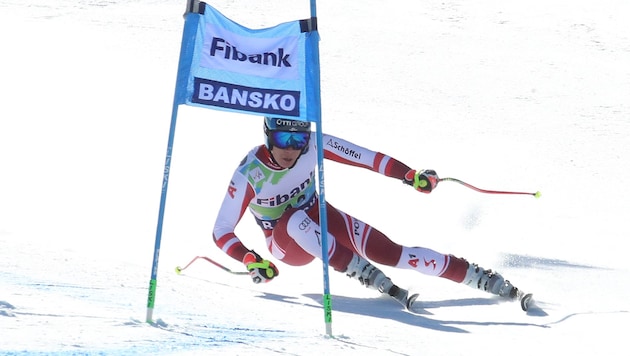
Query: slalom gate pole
column 179, row 269
column 536, row 194
column 188, row 36
column 315, row 91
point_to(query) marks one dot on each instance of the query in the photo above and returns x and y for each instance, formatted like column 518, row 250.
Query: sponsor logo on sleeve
column 343, row 149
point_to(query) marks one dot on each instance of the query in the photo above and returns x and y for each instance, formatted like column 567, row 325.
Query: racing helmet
column 287, row 133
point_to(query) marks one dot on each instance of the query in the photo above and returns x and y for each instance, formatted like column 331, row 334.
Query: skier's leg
column 381, row 249
column 298, row 233
column 353, row 233
column 456, row 269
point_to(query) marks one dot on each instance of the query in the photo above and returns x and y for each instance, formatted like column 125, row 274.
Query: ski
column 526, row 301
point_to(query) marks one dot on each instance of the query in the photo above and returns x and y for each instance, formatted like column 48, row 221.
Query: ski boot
column 491, row 282
column 370, row 276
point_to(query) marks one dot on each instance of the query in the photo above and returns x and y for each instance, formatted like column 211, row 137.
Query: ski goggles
column 284, row 139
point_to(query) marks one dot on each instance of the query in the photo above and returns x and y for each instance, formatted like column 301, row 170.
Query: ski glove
column 423, row 181
column 260, row 270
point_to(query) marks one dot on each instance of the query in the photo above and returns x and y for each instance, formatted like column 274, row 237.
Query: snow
column 504, row 95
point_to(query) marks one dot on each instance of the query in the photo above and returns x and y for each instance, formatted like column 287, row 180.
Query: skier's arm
column 237, row 197
column 349, row 153
column 235, row 202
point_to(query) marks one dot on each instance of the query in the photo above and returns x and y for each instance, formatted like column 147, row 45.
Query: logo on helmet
column 281, row 124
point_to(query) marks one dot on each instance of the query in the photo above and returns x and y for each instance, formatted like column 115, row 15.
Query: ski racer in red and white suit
column 276, row 183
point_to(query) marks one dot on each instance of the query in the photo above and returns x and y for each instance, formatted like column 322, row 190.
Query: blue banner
column 256, row 71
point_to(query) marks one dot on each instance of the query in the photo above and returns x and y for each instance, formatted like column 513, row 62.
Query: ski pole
column 536, row 194
column 179, row 269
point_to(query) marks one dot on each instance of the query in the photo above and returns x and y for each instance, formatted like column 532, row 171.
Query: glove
column 423, row 181
column 260, row 270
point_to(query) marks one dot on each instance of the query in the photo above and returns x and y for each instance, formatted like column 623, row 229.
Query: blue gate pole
column 323, row 219
column 187, row 46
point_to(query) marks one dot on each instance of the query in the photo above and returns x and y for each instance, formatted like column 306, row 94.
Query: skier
column 276, row 182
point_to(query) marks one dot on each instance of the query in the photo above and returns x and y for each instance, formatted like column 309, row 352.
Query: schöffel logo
column 221, row 47
column 343, row 149
column 239, row 97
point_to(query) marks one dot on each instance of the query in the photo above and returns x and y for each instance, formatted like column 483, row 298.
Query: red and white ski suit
column 284, row 203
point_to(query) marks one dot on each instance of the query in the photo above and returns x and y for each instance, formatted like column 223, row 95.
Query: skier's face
column 285, row 157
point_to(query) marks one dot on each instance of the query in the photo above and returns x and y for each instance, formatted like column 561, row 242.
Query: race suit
column 284, row 203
